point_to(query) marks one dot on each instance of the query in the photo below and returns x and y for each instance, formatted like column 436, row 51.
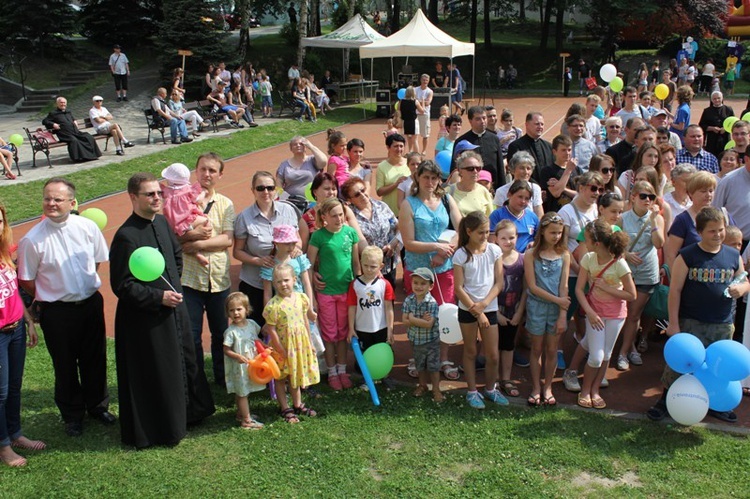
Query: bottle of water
column 737, row 280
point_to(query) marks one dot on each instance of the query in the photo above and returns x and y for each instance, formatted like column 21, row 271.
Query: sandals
column 28, row 444
column 10, row 175
column 411, row 369
column 534, row 400
column 726, row 416
column 305, row 411
column 584, row 402
column 449, row 370
column 251, row 424
column 509, row 388
column 598, row 403
column 289, row 416
column 420, row 391
column 550, row 401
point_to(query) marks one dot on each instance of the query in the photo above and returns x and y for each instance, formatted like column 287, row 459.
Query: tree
column 394, row 16
column 120, row 21
column 42, row 24
column 432, row 12
column 473, row 22
column 487, row 26
column 303, row 14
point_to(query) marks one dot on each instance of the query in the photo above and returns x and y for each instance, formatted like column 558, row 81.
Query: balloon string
column 168, row 283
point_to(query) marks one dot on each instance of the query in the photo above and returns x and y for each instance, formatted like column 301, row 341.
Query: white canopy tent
column 419, row 38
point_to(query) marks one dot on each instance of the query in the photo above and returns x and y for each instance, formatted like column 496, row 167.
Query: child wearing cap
column 420, row 314
column 183, row 202
column 285, row 241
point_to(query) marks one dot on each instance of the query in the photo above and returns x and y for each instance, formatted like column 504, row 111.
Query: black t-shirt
column 583, row 71
column 552, row 203
column 439, row 78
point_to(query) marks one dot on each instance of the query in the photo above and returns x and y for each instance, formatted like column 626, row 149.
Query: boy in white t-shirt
column 370, row 301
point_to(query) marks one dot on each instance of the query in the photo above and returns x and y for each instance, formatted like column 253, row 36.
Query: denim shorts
column 541, row 317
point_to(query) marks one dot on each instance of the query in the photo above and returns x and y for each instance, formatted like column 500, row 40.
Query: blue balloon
column 728, row 360
column 365, row 372
column 401, row 93
column 443, row 159
column 723, row 395
column 684, row 353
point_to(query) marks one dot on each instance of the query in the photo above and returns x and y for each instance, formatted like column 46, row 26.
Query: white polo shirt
column 61, row 258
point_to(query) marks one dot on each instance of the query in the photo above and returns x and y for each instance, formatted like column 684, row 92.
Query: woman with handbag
column 645, row 226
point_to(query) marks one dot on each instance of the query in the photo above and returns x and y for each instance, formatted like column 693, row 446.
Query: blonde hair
column 411, row 93
column 325, row 208
column 235, row 297
column 372, row 252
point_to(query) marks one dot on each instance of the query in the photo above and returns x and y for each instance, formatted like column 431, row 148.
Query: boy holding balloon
column 698, row 305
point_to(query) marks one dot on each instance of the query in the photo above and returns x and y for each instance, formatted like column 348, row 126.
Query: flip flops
column 584, row 402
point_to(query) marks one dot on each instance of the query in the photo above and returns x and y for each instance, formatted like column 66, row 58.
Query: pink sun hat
column 485, row 175
column 283, row 234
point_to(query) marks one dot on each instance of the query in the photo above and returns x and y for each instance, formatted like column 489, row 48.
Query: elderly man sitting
column 104, row 124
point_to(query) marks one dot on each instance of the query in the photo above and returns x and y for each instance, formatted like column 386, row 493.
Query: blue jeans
column 12, row 357
column 213, row 304
column 177, row 128
column 304, row 108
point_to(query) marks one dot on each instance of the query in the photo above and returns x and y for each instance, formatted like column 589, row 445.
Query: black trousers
column 76, row 341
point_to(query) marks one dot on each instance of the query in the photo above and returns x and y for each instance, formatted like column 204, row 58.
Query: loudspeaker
column 383, row 96
column 383, row 111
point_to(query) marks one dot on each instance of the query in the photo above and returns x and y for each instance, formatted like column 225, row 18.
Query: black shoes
column 129, row 144
column 105, row 417
column 120, row 152
column 125, row 98
column 186, row 139
column 74, row 429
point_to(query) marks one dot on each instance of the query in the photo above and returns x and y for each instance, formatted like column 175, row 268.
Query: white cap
column 176, row 174
column 97, row 98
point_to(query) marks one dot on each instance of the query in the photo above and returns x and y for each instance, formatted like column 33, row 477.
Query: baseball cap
column 176, row 174
column 97, row 98
column 424, row 273
column 462, row 146
column 485, row 175
column 660, row 112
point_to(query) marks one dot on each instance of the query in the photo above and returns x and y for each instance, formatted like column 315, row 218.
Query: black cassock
column 161, row 390
column 81, row 145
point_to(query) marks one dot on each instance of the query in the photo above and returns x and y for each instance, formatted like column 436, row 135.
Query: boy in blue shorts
column 421, row 318
column 697, row 304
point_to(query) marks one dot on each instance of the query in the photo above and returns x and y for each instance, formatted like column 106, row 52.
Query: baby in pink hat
column 485, row 179
column 183, row 203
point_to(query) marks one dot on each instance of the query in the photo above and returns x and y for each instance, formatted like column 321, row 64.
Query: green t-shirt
column 335, row 258
column 615, row 228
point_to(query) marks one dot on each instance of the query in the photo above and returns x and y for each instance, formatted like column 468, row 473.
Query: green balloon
column 616, row 84
column 379, row 360
column 97, row 216
column 16, row 139
column 729, row 123
column 746, row 117
column 308, row 193
column 729, row 145
column 146, row 264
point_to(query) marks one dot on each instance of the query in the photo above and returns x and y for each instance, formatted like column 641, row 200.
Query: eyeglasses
column 595, row 189
column 472, row 168
column 644, row 196
column 152, row 194
column 555, row 219
column 56, row 200
column 616, row 127
column 267, row 188
column 358, row 193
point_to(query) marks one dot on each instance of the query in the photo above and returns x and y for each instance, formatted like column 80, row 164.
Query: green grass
column 24, row 201
column 407, row 448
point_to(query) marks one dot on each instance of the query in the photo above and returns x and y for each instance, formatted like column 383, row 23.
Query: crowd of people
column 527, row 237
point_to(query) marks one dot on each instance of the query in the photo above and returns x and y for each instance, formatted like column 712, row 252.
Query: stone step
column 30, row 108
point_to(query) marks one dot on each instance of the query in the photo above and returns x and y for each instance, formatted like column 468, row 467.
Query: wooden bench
column 286, row 101
column 154, row 124
column 213, row 113
column 42, row 140
column 14, row 152
column 87, row 123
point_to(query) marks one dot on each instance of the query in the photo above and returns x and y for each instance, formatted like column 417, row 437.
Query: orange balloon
column 262, row 369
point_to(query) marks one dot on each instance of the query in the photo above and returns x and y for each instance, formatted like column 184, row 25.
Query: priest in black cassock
column 161, row 389
column 81, row 145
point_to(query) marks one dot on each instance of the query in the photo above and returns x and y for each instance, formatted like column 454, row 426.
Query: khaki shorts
column 424, row 125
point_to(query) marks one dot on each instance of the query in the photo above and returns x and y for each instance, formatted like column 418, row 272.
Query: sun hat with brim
column 283, row 234
column 176, row 174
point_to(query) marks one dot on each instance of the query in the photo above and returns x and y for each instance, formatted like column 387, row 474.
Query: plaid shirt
column 421, row 335
column 214, row 277
column 704, row 160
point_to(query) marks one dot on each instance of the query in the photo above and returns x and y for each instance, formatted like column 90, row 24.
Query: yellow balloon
column 729, row 145
column 661, row 91
column 616, row 84
column 729, row 123
column 746, row 117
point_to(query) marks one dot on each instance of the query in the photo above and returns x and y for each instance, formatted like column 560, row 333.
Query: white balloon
column 608, row 72
column 687, row 400
column 450, row 331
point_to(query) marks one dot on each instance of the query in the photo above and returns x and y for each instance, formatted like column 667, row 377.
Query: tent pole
column 362, row 89
column 473, row 73
column 450, row 85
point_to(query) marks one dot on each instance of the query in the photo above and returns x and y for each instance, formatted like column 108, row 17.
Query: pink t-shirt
column 342, row 168
column 180, row 207
column 11, row 306
column 607, row 306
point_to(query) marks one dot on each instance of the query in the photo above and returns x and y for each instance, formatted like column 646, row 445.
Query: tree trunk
column 243, row 47
column 487, row 26
column 522, row 10
column 432, row 12
column 314, row 28
column 423, row 5
column 560, row 25
column 395, row 19
column 545, row 23
column 473, row 22
column 302, row 26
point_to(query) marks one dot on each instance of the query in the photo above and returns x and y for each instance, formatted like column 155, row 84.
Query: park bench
column 213, row 114
column 14, row 152
column 43, row 141
column 154, row 124
column 286, row 101
column 87, row 123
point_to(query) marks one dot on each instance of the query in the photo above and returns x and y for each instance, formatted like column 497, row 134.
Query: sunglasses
column 595, row 189
column 614, row 126
column 473, row 168
column 607, row 170
column 267, row 188
column 152, row 194
column 644, row 196
column 359, row 193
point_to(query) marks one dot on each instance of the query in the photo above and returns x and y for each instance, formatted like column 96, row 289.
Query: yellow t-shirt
column 478, row 199
column 386, row 175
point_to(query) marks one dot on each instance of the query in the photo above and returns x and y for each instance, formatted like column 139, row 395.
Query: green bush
column 290, row 34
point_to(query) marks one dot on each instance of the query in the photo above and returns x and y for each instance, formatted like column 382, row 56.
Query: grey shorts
column 427, row 356
column 424, row 125
column 646, row 288
column 541, row 317
column 707, row 333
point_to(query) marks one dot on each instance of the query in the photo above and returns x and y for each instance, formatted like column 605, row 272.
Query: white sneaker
column 570, row 380
column 604, row 383
column 635, row 358
column 622, row 363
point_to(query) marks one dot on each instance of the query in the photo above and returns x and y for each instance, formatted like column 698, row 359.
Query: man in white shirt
column 583, row 149
column 661, row 119
column 424, row 95
column 104, row 124
column 631, row 108
column 57, row 265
